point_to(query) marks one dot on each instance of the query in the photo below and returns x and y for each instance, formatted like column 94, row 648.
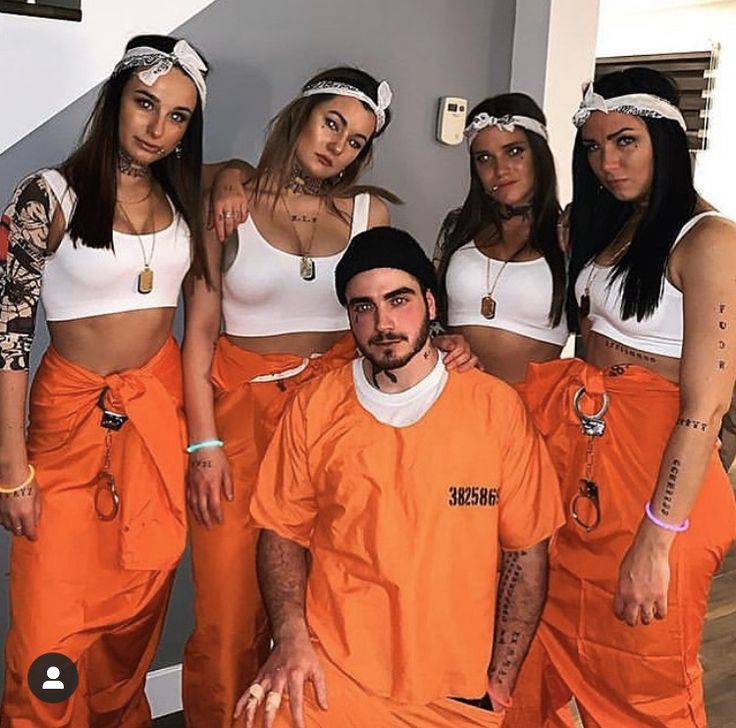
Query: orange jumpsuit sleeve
column 284, row 500
column 530, row 507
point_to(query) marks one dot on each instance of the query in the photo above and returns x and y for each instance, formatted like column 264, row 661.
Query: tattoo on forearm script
column 670, row 487
column 521, row 594
column 692, row 424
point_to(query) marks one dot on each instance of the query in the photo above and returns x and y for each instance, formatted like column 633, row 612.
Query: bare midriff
column 603, row 352
column 303, row 343
column 506, row 354
column 112, row 342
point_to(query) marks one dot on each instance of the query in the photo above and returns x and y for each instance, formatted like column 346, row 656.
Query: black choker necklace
column 128, row 165
column 506, row 212
column 302, row 184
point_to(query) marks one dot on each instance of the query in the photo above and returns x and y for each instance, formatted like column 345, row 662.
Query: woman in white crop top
column 633, row 429
column 282, row 325
column 502, row 272
column 94, row 494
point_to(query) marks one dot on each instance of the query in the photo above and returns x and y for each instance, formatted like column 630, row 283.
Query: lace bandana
column 158, row 63
column 507, row 123
column 345, row 89
column 654, row 107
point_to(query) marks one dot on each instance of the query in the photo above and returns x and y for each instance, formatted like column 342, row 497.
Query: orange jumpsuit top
column 404, row 526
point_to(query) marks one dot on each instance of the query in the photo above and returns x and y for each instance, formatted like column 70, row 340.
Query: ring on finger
column 18, row 529
column 273, row 700
column 228, row 214
column 255, row 692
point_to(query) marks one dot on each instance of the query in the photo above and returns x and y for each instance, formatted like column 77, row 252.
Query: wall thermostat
column 451, row 119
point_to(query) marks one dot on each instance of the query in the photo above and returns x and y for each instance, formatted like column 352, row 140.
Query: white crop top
column 83, row 281
column 660, row 333
column 523, row 295
column 264, row 295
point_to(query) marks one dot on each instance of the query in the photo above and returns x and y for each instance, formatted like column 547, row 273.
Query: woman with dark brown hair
column 94, row 497
column 283, row 325
column 501, row 269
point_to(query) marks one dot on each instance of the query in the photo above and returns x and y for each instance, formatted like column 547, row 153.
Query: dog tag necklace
column 488, row 303
column 145, row 277
column 307, row 268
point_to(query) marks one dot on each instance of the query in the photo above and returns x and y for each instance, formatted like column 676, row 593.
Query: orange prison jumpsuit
column 620, row 676
column 231, row 637
column 404, row 528
column 93, row 590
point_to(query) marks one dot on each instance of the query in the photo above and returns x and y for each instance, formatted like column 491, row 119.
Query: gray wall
column 261, row 52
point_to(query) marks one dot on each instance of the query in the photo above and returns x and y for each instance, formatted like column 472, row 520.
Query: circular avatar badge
column 52, row 677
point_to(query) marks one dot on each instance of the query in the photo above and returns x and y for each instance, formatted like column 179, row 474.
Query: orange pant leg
column 73, row 590
column 68, row 595
column 231, row 637
column 619, row 675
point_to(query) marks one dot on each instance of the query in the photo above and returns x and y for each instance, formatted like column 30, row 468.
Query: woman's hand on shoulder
column 458, row 354
column 228, row 204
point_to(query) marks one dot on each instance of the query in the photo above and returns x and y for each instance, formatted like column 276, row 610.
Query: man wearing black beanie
column 389, row 494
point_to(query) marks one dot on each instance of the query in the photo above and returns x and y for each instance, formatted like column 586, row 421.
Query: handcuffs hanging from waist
column 592, row 426
column 111, row 421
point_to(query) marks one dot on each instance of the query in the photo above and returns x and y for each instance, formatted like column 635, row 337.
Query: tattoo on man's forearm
column 670, row 487
column 692, row 424
column 282, row 577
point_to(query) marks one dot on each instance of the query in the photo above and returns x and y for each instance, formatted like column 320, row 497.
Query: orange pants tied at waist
column 97, row 590
column 231, row 638
column 619, row 675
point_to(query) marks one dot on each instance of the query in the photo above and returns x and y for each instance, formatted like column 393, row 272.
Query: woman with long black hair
column 95, row 496
column 633, row 429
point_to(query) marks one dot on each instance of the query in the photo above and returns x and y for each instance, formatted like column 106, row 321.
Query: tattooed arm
column 521, row 594
column 25, row 236
column 704, row 267
column 282, row 577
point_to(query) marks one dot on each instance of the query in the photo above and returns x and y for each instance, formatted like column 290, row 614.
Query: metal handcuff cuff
column 592, row 426
column 112, row 422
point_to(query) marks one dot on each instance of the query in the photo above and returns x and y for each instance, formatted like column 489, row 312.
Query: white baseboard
column 163, row 690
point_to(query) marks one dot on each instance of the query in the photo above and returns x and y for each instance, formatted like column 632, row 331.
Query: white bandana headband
column 159, row 63
column 345, row 89
column 507, row 123
column 649, row 105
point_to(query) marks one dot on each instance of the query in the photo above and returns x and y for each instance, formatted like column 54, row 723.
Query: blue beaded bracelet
column 205, row 443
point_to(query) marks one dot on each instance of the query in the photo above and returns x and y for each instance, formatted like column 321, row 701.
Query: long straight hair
column 91, row 169
column 597, row 216
column 275, row 164
column 478, row 211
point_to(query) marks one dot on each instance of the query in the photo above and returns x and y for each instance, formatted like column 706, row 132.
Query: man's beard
column 387, row 360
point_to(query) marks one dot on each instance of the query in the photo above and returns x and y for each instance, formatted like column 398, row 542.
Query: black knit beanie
column 384, row 247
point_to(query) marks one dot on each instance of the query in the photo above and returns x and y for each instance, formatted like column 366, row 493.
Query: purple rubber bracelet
column 676, row 527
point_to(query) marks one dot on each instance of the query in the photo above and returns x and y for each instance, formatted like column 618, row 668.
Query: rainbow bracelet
column 674, row 527
column 205, row 443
